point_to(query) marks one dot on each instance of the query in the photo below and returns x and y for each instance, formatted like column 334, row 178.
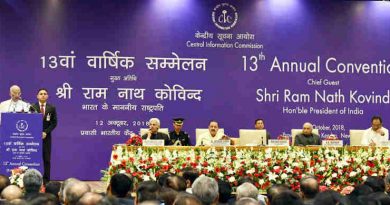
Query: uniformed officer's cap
column 178, row 121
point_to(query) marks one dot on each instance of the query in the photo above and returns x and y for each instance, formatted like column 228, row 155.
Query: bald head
column 11, row 192
column 75, row 191
column 307, row 128
column 15, row 92
column 64, row 185
column 90, row 198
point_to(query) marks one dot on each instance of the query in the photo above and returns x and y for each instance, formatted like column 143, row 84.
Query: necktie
column 43, row 109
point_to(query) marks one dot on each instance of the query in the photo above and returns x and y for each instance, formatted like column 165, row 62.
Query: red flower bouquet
column 134, row 140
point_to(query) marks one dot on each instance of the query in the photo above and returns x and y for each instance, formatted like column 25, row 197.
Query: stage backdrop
column 110, row 65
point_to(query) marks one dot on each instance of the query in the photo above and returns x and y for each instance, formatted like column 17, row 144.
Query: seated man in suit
column 153, row 134
column 376, row 133
column 307, row 137
column 207, row 138
column 259, row 125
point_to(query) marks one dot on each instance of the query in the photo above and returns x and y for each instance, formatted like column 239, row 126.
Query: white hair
column 14, row 87
column 247, row 190
column 155, row 120
column 206, row 189
column 308, row 123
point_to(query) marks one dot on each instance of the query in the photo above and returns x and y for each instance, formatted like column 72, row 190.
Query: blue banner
column 21, row 141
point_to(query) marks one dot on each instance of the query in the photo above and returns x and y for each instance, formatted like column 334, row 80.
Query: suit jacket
column 49, row 119
column 304, row 140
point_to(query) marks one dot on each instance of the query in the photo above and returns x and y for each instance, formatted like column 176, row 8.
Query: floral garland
column 334, row 168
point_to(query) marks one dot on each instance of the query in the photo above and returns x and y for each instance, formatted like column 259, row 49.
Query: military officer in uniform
column 177, row 136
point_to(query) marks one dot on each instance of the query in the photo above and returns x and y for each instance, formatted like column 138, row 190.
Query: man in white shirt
column 207, row 138
column 374, row 135
column 15, row 104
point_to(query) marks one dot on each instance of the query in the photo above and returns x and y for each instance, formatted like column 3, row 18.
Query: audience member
column 206, row 189
column 247, row 190
column 186, row 199
column 74, row 191
column 225, row 192
column 287, row 198
column 376, row 183
column 309, row 189
column 147, row 191
column 330, row 197
column 11, row 192
column 190, row 175
column 177, row 183
column 108, row 200
column 32, row 182
column 275, row 190
column 247, row 201
column 381, row 196
column 64, row 184
column 53, row 187
column 162, row 179
column 43, row 199
column 120, row 185
column 168, row 195
column 90, row 198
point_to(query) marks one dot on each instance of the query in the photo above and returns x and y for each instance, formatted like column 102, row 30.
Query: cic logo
column 21, row 125
column 224, row 16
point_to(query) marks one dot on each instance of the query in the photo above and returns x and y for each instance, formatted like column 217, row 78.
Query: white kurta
column 206, row 139
column 371, row 136
column 11, row 106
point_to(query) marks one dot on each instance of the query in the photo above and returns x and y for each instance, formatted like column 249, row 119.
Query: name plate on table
column 332, row 143
column 152, row 143
column 278, row 143
column 384, row 143
column 220, row 143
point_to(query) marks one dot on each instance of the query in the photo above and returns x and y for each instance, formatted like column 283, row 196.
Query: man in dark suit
column 49, row 123
column 307, row 137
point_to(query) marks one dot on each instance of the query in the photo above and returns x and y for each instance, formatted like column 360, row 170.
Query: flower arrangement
column 334, row 168
column 284, row 137
column 17, row 175
column 134, row 140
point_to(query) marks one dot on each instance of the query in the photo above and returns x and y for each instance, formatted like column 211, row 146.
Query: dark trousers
column 46, row 158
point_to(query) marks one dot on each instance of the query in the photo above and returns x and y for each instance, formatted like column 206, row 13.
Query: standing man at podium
column 49, row 116
column 15, row 104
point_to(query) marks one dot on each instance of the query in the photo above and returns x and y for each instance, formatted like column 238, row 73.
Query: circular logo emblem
column 21, row 125
column 224, row 16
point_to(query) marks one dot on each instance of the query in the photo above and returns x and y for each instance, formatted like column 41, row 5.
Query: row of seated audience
column 188, row 189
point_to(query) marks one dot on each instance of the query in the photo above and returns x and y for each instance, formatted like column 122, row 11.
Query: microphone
column 27, row 106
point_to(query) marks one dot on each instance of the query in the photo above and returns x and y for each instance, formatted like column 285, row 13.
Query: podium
column 20, row 141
